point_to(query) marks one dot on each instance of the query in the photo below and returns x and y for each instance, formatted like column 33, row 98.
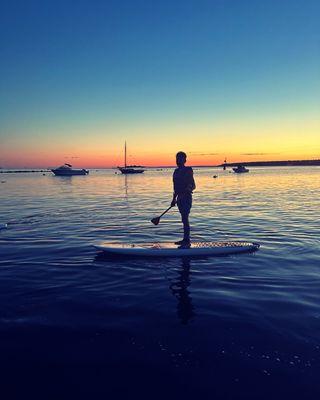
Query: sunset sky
column 221, row 78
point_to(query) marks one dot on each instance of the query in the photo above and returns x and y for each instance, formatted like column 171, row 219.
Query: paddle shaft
column 165, row 211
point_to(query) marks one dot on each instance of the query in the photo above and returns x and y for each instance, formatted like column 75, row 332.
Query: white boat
column 67, row 170
column 129, row 169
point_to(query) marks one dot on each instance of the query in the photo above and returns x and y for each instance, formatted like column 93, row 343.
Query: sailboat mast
column 125, row 154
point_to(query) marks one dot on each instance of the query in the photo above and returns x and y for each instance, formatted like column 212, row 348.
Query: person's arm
column 191, row 183
column 175, row 195
column 174, row 199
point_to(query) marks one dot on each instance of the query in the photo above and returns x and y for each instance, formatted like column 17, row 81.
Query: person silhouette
column 183, row 186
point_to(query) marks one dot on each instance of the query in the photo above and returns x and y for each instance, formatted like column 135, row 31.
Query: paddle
column 156, row 220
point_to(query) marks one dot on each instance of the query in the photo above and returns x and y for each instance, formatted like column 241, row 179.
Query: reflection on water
column 242, row 318
column 179, row 284
column 179, row 288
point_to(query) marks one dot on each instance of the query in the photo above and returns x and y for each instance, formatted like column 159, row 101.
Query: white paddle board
column 172, row 250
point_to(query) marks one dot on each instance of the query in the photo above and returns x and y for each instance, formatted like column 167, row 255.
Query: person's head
column 181, row 158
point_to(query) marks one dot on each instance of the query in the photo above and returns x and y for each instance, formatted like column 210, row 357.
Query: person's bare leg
column 186, row 228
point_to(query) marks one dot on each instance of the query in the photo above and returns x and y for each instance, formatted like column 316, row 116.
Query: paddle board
column 172, row 250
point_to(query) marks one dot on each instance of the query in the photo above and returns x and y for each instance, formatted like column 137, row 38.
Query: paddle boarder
column 183, row 186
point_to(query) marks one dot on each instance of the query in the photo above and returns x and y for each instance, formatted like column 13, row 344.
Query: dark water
column 76, row 325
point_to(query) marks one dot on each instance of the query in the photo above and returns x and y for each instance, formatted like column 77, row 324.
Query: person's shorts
column 184, row 203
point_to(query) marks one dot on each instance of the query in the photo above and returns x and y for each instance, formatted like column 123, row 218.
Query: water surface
column 75, row 324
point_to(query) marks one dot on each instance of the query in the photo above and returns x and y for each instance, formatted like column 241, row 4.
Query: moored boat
column 129, row 169
column 240, row 169
column 67, row 170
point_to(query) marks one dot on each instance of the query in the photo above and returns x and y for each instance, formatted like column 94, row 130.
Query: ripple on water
column 249, row 315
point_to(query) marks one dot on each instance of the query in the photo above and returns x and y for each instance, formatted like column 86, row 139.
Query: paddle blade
column 155, row 221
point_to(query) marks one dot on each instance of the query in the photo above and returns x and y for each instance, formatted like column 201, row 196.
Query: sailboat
column 129, row 169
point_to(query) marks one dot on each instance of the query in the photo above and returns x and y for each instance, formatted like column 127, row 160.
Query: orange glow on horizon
column 147, row 160
column 205, row 143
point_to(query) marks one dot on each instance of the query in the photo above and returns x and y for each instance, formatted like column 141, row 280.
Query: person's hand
column 173, row 203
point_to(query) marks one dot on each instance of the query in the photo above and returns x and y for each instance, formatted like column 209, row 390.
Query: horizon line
column 174, row 166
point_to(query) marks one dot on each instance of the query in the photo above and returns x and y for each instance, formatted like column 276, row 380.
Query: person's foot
column 185, row 245
column 179, row 242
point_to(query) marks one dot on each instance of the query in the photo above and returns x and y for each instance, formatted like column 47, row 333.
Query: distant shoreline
column 20, row 171
column 288, row 163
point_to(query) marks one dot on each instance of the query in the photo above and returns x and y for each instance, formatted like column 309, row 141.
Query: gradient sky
column 234, row 78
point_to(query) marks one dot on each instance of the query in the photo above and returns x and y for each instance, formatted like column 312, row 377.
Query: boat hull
column 128, row 171
column 70, row 172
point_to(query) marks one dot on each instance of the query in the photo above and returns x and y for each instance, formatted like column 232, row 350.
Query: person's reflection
column 179, row 288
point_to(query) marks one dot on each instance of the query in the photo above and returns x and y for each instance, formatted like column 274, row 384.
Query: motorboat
column 240, row 169
column 129, row 169
column 67, row 170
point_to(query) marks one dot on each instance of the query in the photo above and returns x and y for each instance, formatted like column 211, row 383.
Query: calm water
column 74, row 324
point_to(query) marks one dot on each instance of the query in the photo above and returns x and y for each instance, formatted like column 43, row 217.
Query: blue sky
column 128, row 66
